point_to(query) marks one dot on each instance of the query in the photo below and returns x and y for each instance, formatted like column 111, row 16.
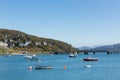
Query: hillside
column 113, row 48
column 18, row 41
column 85, row 48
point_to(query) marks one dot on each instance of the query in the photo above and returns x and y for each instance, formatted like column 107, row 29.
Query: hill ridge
column 18, row 41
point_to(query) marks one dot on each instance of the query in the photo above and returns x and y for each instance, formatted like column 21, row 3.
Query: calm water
column 16, row 68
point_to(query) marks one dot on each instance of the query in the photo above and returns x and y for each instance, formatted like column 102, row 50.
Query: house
column 21, row 44
column 11, row 45
column 24, row 44
column 27, row 43
column 10, row 40
column 44, row 43
column 3, row 44
column 6, row 40
column 38, row 43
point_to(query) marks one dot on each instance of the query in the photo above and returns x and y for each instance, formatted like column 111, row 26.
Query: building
column 38, row 43
column 3, row 44
column 44, row 43
column 24, row 44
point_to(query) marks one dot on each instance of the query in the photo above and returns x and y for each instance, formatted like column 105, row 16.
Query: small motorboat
column 72, row 55
column 90, row 59
column 43, row 67
column 87, row 66
column 7, row 55
column 31, row 57
column 28, row 57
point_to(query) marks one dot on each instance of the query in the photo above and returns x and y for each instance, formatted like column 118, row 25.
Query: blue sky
column 78, row 22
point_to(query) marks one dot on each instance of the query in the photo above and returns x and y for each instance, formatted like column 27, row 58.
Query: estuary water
column 15, row 67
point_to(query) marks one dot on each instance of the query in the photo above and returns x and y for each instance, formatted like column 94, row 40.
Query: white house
column 25, row 44
column 38, row 43
column 3, row 44
column 44, row 43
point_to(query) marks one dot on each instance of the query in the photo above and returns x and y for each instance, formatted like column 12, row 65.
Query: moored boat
column 43, row 67
column 31, row 57
column 7, row 55
column 87, row 66
column 72, row 55
column 90, row 59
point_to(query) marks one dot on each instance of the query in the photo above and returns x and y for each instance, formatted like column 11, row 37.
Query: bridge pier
column 108, row 52
column 86, row 53
column 94, row 52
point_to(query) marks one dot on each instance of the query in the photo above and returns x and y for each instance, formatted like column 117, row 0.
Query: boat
column 31, row 57
column 7, row 55
column 72, row 55
column 34, row 55
column 90, row 59
column 87, row 66
column 43, row 67
column 28, row 57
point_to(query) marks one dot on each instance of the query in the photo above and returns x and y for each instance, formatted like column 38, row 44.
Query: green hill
column 18, row 41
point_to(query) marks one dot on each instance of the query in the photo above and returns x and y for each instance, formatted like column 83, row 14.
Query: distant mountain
column 114, row 47
column 85, row 48
column 19, row 41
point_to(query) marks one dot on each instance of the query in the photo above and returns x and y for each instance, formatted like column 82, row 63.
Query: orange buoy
column 65, row 67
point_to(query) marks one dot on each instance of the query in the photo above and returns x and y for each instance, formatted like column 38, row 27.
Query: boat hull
column 72, row 56
column 43, row 67
column 90, row 59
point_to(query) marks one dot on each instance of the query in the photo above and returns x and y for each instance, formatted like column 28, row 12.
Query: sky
column 77, row 22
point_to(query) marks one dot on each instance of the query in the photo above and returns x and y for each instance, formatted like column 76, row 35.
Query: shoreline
column 21, row 53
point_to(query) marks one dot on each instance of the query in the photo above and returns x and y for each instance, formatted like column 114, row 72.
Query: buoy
column 30, row 68
column 87, row 66
column 65, row 67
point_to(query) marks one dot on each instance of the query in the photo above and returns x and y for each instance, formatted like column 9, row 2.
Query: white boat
column 28, row 56
column 72, row 55
column 31, row 57
column 34, row 55
column 7, row 55
column 87, row 66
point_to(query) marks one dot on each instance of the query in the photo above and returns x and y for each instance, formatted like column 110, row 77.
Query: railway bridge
column 97, row 51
